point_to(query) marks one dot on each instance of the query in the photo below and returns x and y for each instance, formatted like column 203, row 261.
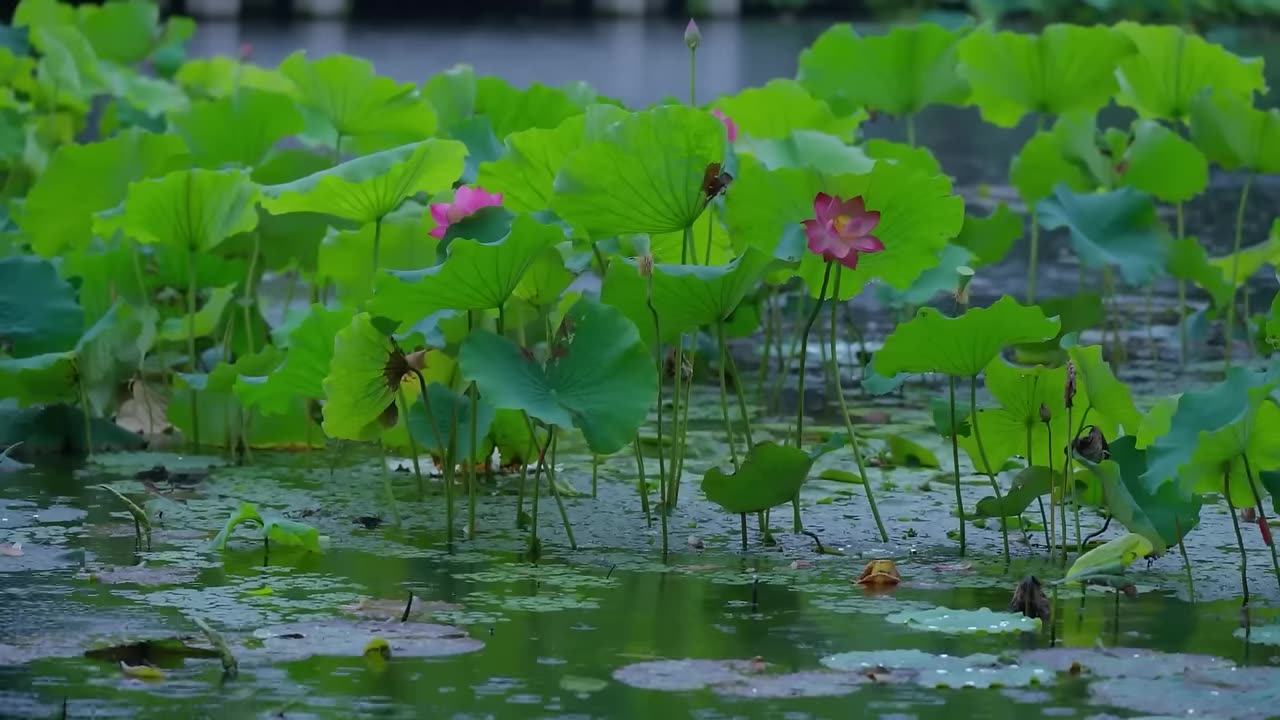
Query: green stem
column 413, row 444
column 248, row 291
column 657, row 356
column 502, row 320
column 1235, row 267
column 534, row 546
column 848, row 419
column 982, row 455
column 1034, row 256
column 767, row 347
column 1182, row 299
column 743, row 526
column 1053, row 483
column 642, row 486
column 449, row 469
column 1262, row 514
column 955, row 457
column 671, row 488
column 84, row 410
column 1043, row 518
column 595, row 473
column 693, row 51
column 472, row 477
column 911, row 129
column 711, row 220
column 724, row 395
column 804, row 357
column 337, row 149
column 555, row 490
column 1235, row 522
column 386, row 485
column 1070, row 484
column 191, row 343
column 377, row 246
column 1186, row 561
column 742, row 401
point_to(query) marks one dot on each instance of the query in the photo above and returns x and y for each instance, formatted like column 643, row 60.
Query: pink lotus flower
column 840, row 229
column 729, row 124
column 466, row 200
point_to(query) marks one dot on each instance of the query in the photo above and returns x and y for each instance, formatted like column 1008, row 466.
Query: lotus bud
column 964, row 275
column 417, row 360
column 692, row 36
column 1044, row 413
column 1069, row 391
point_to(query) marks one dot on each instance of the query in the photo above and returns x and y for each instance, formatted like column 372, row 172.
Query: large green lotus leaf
column 1249, row 260
column 451, row 413
column 222, row 76
column 358, row 388
column 68, row 69
column 762, row 205
column 475, row 275
column 510, row 109
column 304, row 368
column 916, row 156
column 781, row 106
column 544, row 280
column 95, row 360
column 1029, row 484
column 1041, row 165
column 370, row 187
column 961, row 346
column 122, row 32
column 1109, row 401
column 237, row 130
column 81, row 180
column 206, row 319
column 1007, row 430
column 1062, row 69
column 686, row 297
column 809, row 149
column 1163, row 517
column 1116, row 228
column 526, row 172
column 1254, row 435
column 346, row 256
column 1162, row 163
column 770, row 475
column 1157, row 421
column 645, row 176
column 991, row 237
column 195, row 210
column 938, row 279
column 910, row 68
column 1078, row 141
column 1171, row 67
column 1110, row 558
column 452, row 93
column 918, row 215
column 600, row 377
column 38, row 310
column 1235, row 134
column 1188, row 260
column 345, row 95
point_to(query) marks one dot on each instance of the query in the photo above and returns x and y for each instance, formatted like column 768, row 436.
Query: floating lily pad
column 676, row 675
column 1122, row 662
column 965, row 622
column 1244, row 693
column 1260, row 634
column 140, row 575
column 928, row 670
column 348, row 638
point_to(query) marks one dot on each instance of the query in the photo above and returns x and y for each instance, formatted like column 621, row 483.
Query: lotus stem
column 555, row 493
column 1033, row 256
column 1182, row 298
column 535, row 547
column 784, row 363
column 766, row 349
column 742, row 400
column 1186, row 561
column 248, row 290
column 910, row 119
column 413, row 444
column 472, row 478
column 595, row 473
column 386, row 484
column 1043, row 518
column 671, row 489
column 848, row 420
column 85, row 411
column 1262, row 515
column 642, row 486
column 711, row 219
column 337, row 148
column 657, row 359
column 191, row 343
column 1235, row 522
column 955, row 456
column 501, row 326
column 1235, row 268
column 377, row 247
column 804, row 357
column 1070, row 483
column 724, row 396
column 435, row 433
column 1053, row 486
column 450, row 468
column 982, row 454
column 743, row 518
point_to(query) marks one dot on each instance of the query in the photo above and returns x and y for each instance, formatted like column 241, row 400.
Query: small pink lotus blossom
column 466, row 200
column 729, row 124
column 840, row 229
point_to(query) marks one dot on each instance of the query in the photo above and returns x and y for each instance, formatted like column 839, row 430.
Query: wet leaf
column 1029, row 484
column 141, row 672
column 938, row 671
column 965, row 622
column 350, row 638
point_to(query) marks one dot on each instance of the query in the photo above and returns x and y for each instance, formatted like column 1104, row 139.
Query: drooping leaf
column 1235, row 134
column 961, row 346
column 1171, row 67
column 807, row 149
column 1162, row 516
column 1162, row 163
column 1110, row 558
column 370, row 187
column 770, row 475
column 1029, row 484
column 450, row 417
column 38, row 310
column 937, row 279
column 1116, row 228
column 645, row 176
column 344, row 96
column 1108, row 400
column 237, row 130
column 904, row 71
column 1188, row 260
column 1062, row 69
column 781, row 106
column 600, row 377
column 194, row 210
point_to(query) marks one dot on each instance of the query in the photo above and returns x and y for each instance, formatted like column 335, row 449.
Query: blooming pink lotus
column 840, row 229
column 729, row 124
column 466, row 200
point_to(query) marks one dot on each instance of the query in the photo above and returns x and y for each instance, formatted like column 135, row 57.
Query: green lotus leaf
column 222, row 76
column 362, row 382
column 526, row 172
column 645, row 176
column 1162, row 163
column 475, row 275
column 1108, row 401
column 1171, row 67
column 1156, row 423
column 346, row 258
column 904, row 71
column 764, row 205
column 1041, row 165
column 451, row 417
column 1235, row 134
column 1081, row 144
column 770, row 475
column 194, row 210
column 452, row 94
column 961, row 346
column 1117, row 228
column 1062, row 69
column 343, row 95
column 1249, row 260
column 686, row 297
column 238, row 130
column 544, row 280
column 304, row 368
column 1029, row 484
column 671, row 248
column 510, row 109
column 1188, row 260
column 205, row 321
column 807, row 149
column 1163, row 516
column 122, row 32
column 371, row 187
column 918, row 215
column 1110, row 558
column 274, row 528
column 510, row 435
column 81, row 180
column 937, row 279
column 38, row 310
column 1014, row 428
column 916, row 156
column 905, row 452
column 964, row 622
column 35, row 13
column 600, row 377
column 781, row 106
column 991, row 237
column 68, row 68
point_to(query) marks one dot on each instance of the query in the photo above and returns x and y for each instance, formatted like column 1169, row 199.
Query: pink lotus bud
column 692, row 36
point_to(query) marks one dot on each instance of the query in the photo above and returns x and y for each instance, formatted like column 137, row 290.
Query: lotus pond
column 324, row 394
